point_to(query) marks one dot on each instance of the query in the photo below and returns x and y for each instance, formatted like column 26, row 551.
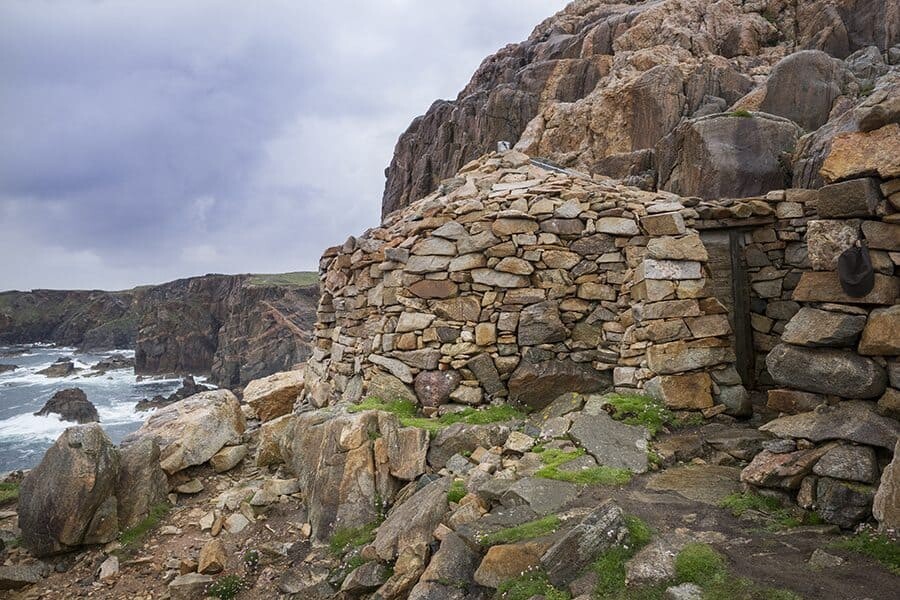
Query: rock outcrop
column 642, row 90
column 70, row 404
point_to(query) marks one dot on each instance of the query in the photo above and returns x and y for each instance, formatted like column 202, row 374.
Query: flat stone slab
column 854, row 421
column 612, row 443
column 707, row 484
column 543, row 496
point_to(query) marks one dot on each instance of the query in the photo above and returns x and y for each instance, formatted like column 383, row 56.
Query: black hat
column 855, row 271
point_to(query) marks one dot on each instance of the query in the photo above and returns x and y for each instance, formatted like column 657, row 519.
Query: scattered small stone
column 109, row 568
column 823, row 560
column 685, row 591
column 212, row 557
column 193, row 486
column 236, row 523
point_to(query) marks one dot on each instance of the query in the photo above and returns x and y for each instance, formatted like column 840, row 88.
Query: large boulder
column 730, row 155
column 826, row 371
column 536, row 384
column 70, row 404
column 142, row 484
column 803, row 87
column 886, row 508
column 854, row 421
column 60, row 499
column 859, row 153
column 191, row 431
column 274, row 396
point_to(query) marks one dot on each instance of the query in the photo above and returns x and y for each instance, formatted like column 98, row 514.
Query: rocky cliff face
column 639, row 90
column 88, row 319
column 267, row 329
column 235, row 327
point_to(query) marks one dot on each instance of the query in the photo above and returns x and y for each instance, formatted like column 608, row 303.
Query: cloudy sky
column 145, row 141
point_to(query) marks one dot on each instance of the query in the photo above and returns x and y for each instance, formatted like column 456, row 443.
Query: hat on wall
column 855, row 270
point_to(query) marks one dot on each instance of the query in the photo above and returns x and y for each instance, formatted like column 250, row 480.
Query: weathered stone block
column 854, row 198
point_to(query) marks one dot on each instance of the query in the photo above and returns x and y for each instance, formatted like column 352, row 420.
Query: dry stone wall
column 513, row 282
column 836, row 363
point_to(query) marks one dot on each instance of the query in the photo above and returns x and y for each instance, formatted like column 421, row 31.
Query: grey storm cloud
column 145, row 141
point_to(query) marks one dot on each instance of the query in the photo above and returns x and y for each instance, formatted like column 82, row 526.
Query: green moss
column 701, row 564
column 638, row 532
column 525, row 531
column 457, row 491
column 779, row 518
column 527, row 585
column 407, row 412
column 876, row 546
column 348, row 538
column 695, row 419
column 635, row 409
column 744, row 114
column 225, row 588
column 9, row 493
column 553, row 459
column 131, row 537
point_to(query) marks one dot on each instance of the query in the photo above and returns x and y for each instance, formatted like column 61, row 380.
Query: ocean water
column 24, row 437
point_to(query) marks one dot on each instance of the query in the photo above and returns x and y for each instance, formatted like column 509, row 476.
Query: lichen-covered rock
column 60, row 498
column 191, row 431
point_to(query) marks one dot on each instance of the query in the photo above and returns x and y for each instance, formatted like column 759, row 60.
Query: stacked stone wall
column 516, row 283
column 836, row 363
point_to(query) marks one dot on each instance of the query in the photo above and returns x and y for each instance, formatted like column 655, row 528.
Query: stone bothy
column 517, row 282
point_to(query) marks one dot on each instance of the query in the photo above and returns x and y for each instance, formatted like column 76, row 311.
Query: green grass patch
column 295, row 279
column 131, row 537
column 742, row 113
column 779, row 517
column 457, row 491
column 525, row 531
column 9, row 493
column 553, row 459
column 225, row 588
column 407, row 413
column 701, row 564
column 610, row 566
column 348, row 538
column 634, row 409
column 876, row 546
column 533, row 583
